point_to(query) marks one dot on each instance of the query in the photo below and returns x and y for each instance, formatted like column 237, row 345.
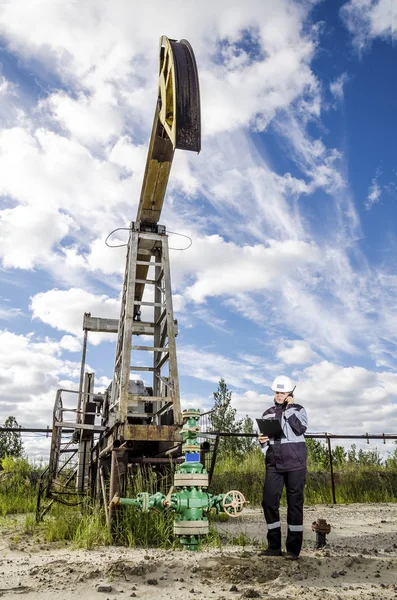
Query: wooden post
column 118, row 473
column 331, row 467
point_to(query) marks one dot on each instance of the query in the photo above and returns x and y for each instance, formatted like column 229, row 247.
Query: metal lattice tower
column 147, row 254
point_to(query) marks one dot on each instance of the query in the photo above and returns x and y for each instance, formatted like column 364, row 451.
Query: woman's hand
column 290, row 400
column 263, row 439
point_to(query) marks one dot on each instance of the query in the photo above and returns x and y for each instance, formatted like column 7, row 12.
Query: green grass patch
column 358, row 484
column 85, row 525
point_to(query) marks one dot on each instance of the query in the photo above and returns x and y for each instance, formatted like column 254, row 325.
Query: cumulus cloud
column 70, row 343
column 30, row 372
column 105, row 105
column 296, row 352
column 364, row 399
column 64, row 309
column 98, row 52
column 28, row 235
column 88, row 119
column 251, row 403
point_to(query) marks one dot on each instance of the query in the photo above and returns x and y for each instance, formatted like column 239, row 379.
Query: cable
column 126, row 244
column 114, row 231
column 181, row 235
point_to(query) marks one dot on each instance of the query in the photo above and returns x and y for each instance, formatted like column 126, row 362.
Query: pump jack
column 131, row 423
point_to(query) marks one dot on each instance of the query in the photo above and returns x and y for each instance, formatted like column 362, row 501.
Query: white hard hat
column 282, row 384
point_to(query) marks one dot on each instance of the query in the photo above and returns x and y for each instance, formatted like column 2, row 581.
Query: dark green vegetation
column 10, row 441
column 365, row 479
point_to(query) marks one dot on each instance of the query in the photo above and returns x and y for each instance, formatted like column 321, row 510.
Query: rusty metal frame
column 177, row 124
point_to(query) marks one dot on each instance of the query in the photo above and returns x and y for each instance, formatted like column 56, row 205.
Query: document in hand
column 270, row 427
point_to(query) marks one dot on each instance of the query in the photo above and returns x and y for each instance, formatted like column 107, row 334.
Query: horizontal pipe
column 210, row 435
column 172, row 450
column 112, row 446
column 365, row 436
column 156, row 460
column 128, row 501
column 27, row 429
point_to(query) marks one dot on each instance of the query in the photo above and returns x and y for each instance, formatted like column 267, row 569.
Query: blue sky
column 291, row 204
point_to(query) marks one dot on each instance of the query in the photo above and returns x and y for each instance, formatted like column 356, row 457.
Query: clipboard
column 270, row 427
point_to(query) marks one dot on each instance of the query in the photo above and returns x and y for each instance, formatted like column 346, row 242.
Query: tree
column 223, row 420
column 352, row 455
column 339, row 457
column 391, row 461
column 369, row 458
column 247, row 443
column 11, row 441
column 317, row 455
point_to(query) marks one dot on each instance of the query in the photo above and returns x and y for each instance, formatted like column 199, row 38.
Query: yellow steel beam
column 176, row 123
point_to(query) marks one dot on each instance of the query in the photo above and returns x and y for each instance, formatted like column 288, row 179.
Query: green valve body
column 191, row 502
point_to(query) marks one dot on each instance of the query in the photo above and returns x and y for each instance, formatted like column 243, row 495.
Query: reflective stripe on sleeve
column 274, row 525
column 295, row 527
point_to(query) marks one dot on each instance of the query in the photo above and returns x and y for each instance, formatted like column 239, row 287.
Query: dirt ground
column 360, row 561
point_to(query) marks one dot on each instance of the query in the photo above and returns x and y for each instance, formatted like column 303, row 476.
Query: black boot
column 270, row 552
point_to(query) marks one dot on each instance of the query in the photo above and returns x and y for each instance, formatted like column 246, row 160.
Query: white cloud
column 368, row 19
column 296, row 352
column 64, row 310
column 9, row 312
column 374, row 192
column 69, row 342
column 337, row 86
column 223, row 268
column 210, row 366
column 251, row 403
column 27, row 236
column 238, row 184
column 89, row 119
column 102, row 383
column 105, row 55
column 64, row 191
column 363, row 399
column 337, row 399
column 128, row 155
column 97, row 50
column 30, row 372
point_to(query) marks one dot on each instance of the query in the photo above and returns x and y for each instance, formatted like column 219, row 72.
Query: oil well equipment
column 94, row 444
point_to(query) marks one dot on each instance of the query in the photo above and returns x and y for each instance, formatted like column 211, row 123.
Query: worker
column 285, row 457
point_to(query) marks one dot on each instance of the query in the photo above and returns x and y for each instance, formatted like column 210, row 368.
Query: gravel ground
column 359, row 561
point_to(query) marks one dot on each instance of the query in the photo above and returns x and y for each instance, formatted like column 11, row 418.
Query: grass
column 246, row 475
column 359, row 484
column 17, row 498
column 364, row 484
column 85, row 526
